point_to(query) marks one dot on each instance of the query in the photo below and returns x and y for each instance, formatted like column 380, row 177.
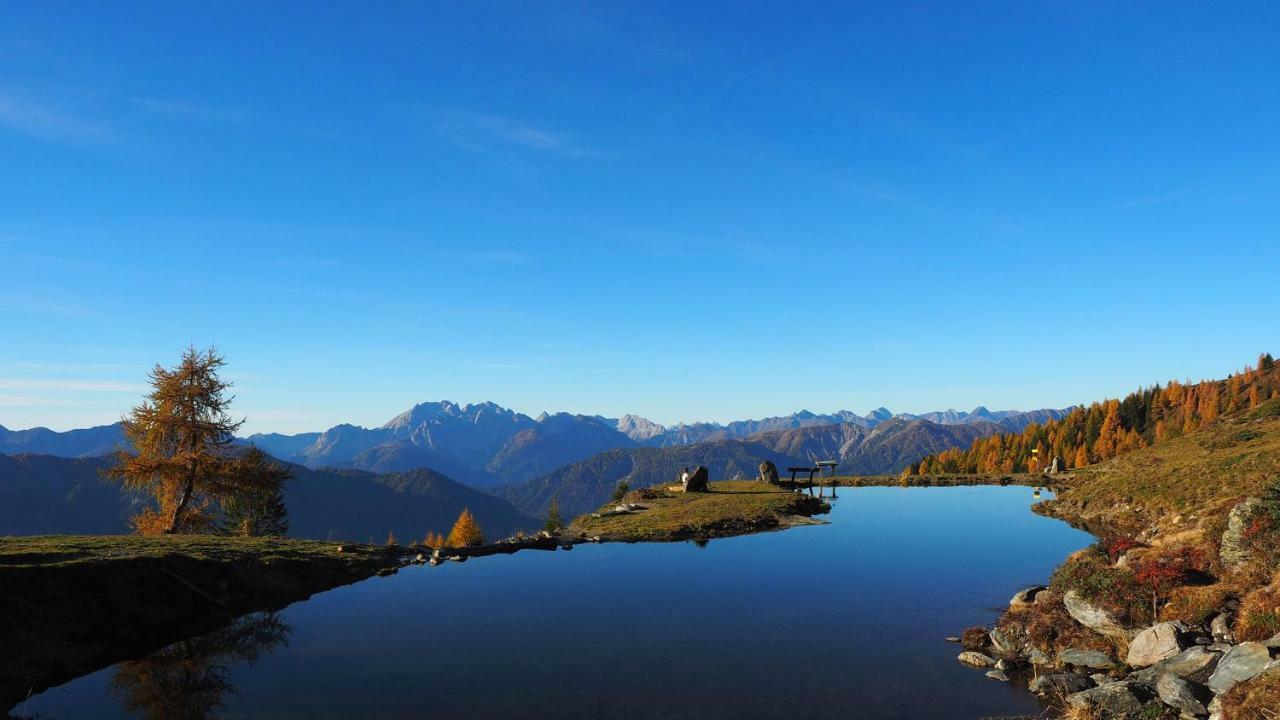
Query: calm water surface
column 845, row 620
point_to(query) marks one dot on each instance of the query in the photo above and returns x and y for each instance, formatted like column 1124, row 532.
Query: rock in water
column 1091, row 659
column 1094, row 618
column 1234, row 552
column 1242, row 662
column 976, row 659
column 1179, row 694
column 769, row 473
column 1113, row 700
column 1154, row 644
column 998, row 675
column 697, row 481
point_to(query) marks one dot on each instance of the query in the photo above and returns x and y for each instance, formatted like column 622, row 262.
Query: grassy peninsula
column 728, row 508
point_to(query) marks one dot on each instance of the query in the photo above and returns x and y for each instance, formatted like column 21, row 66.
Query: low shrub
column 1114, row 548
column 1196, row 604
column 1048, row 626
column 974, row 638
column 1259, row 616
column 1115, row 589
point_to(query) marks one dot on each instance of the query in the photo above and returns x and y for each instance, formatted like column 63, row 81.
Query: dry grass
column 1257, row 699
column 1259, row 616
column 1196, row 604
column 65, row 550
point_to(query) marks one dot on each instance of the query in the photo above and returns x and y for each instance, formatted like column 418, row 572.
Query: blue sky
column 689, row 211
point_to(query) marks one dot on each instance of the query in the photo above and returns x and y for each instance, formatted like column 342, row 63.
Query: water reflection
column 190, row 679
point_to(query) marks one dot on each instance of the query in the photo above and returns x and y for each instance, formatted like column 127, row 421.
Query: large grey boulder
column 1195, row 664
column 1119, row 699
column 1154, row 644
column 1242, row 662
column 769, row 472
column 1234, row 552
column 1180, row 695
column 697, row 481
column 1091, row 659
column 1092, row 617
column 1056, row 684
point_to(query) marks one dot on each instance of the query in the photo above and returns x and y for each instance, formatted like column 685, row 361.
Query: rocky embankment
column 1091, row 646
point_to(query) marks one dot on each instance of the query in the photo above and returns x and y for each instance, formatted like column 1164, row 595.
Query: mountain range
column 487, row 446
column 886, row 447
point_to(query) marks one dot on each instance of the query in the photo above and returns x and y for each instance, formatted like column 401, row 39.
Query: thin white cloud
column 41, row 306
column 44, row 121
column 38, row 384
column 31, row 401
column 481, row 132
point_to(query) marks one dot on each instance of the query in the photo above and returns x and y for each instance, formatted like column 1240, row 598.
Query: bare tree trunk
column 182, row 503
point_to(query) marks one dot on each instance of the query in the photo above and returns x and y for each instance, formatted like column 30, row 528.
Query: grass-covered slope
column 1179, row 482
column 730, row 508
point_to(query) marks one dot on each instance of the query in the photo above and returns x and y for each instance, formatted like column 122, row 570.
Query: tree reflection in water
column 188, row 680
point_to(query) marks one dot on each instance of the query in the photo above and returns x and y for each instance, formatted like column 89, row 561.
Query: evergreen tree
column 256, row 506
column 466, row 531
column 553, row 523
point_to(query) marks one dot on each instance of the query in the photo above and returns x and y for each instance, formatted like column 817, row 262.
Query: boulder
column 976, row 659
column 1060, row 683
column 1195, row 664
column 1180, row 695
column 998, row 675
column 1119, row 699
column 1242, row 662
column 1002, row 644
column 1234, row 552
column 1023, row 598
column 1220, row 628
column 1273, row 642
column 1094, row 618
column 1039, row 657
column 1154, row 644
column 1092, row 659
column 769, row 473
column 697, row 481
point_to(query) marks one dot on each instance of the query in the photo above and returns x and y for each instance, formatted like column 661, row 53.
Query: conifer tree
column 553, row 523
column 180, row 435
column 256, row 505
column 466, row 531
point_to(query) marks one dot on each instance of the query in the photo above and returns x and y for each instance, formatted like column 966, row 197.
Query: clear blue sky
column 689, row 211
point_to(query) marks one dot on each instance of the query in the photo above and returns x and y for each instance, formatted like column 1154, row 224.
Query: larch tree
column 466, row 531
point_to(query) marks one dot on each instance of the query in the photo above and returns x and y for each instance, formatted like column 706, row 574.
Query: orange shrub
column 1259, row 617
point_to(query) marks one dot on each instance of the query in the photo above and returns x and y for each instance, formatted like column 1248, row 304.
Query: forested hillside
column 1110, row 428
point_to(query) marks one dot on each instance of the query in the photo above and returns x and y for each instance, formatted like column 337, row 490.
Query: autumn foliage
column 466, row 531
column 1113, row 427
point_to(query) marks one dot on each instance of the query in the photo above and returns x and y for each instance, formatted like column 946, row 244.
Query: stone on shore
column 976, row 659
column 1242, row 662
column 1060, row 683
column 1180, row 695
column 998, row 675
column 1094, row 618
column 1092, row 659
column 1115, row 699
column 1154, row 644
column 1195, row 664
column 1026, row 597
column 1002, row 644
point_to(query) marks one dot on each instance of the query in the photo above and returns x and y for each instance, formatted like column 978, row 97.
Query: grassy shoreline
column 74, row 604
